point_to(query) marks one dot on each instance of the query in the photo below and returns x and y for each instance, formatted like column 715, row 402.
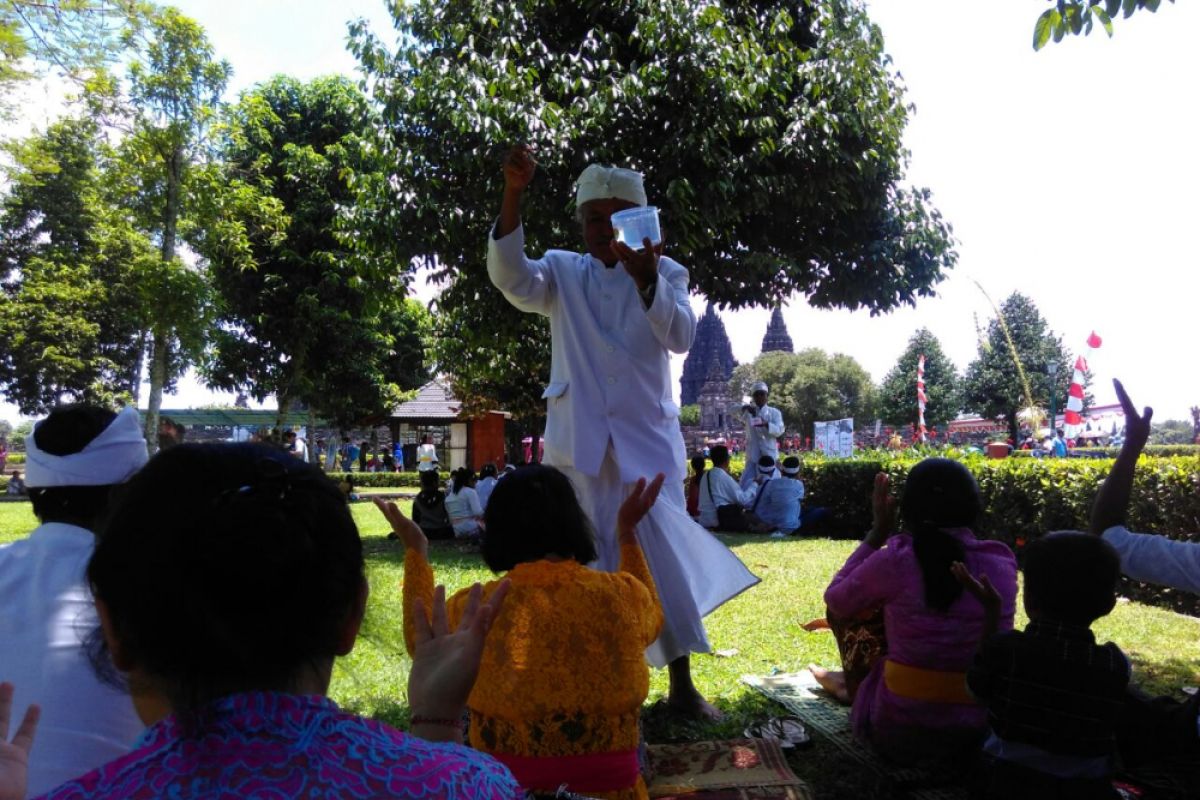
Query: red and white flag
column 1073, row 416
column 921, row 397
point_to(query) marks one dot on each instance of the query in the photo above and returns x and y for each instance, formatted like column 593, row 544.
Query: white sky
column 1068, row 174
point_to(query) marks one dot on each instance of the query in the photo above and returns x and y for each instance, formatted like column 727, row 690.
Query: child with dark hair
column 429, row 509
column 905, row 632
column 227, row 579
column 1053, row 695
column 563, row 677
column 463, row 506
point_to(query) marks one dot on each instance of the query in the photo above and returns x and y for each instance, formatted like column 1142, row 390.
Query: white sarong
column 693, row 572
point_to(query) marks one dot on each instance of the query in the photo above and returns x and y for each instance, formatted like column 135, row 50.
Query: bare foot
column 692, row 704
column 818, row 624
column 832, row 681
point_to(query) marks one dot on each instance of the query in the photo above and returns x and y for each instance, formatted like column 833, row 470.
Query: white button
column 611, row 379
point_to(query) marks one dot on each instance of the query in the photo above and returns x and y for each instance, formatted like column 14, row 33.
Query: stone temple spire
column 777, row 337
column 711, row 341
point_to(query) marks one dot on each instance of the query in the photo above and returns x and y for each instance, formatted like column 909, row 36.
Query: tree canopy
column 1076, row 17
column 898, row 392
column 809, row 386
column 769, row 135
column 71, row 266
column 302, row 317
column 1005, row 378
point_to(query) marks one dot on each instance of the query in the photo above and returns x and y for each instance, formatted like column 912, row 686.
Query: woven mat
column 800, row 694
column 740, row 769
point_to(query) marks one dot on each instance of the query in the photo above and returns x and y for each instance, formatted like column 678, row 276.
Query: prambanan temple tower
column 711, row 344
column 777, row 338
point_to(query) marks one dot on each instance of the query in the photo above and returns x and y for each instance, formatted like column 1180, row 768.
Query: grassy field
column 761, row 631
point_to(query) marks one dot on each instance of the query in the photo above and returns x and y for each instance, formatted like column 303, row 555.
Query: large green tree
column 769, row 134
column 166, row 108
column 898, row 392
column 310, row 318
column 1010, row 372
column 809, row 386
column 71, row 266
column 1076, row 17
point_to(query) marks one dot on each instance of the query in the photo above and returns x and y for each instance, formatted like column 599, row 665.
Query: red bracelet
column 442, row 722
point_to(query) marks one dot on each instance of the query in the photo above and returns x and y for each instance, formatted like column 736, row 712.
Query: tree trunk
column 135, row 379
column 281, row 415
column 310, row 435
column 161, row 340
column 159, row 347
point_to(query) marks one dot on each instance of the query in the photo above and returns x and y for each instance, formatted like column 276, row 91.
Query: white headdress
column 114, row 455
column 598, row 182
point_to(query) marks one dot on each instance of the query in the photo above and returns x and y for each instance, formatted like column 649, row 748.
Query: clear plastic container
column 633, row 225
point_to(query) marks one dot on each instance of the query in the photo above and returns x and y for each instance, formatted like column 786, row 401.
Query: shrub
column 410, row 480
column 14, row 460
column 1025, row 498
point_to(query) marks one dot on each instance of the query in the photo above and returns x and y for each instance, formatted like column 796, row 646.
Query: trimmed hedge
column 14, row 460
column 1158, row 450
column 409, row 480
column 1024, row 498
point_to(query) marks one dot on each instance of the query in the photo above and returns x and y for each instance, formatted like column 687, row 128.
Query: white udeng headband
column 113, row 456
column 598, row 182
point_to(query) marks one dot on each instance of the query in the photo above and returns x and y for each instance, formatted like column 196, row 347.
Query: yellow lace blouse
column 564, row 671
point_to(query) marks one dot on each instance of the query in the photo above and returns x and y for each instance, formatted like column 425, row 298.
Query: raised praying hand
column 409, row 532
column 980, row 588
column 1137, row 426
column 637, row 505
column 14, row 755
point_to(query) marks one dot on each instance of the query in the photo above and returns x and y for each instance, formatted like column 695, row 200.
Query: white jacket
column 762, row 440
column 610, row 374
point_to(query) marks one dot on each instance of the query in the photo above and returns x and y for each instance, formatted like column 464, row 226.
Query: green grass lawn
column 762, row 627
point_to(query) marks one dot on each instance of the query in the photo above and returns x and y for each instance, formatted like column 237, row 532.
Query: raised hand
column 883, row 511
column 519, row 168
column 409, row 532
column 446, row 663
column 1137, row 427
column 980, row 588
column 642, row 265
column 637, row 505
column 14, row 755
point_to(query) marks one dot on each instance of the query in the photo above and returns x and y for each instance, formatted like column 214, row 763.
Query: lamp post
column 1052, row 371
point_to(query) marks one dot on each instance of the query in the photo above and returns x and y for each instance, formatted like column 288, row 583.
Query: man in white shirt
column 764, row 426
column 426, row 455
column 718, row 488
column 75, row 456
column 1157, row 728
column 616, row 314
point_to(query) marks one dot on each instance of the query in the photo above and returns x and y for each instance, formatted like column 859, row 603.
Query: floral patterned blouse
column 270, row 745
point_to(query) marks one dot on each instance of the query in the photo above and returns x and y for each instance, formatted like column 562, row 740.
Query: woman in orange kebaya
column 564, row 674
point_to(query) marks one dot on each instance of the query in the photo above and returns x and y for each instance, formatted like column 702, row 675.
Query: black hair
column 698, row 464
column 429, row 484
column 534, row 513
column 766, row 461
column 939, row 493
column 719, row 455
column 463, row 476
column 1071, row 577
column 66, row 430
column 227, row 568
column 487, row 471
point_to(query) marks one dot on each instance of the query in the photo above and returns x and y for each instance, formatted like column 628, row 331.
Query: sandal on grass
column 789, row 732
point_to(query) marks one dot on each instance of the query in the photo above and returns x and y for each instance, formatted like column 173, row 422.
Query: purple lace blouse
column 271, row 745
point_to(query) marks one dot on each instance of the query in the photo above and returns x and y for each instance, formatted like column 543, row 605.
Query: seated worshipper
column 564, row 676
column 780, row 500
column 1053, row 695
column 224, row 625
column 429, row 509
column 693, row 487
column 487, row 482
column 16, row 484
column 76, row 455
column 463, row 506
column 722, row 501
column 1158, row 734
column 905, row 631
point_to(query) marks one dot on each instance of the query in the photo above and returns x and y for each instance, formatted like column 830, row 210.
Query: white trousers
column 693, row 572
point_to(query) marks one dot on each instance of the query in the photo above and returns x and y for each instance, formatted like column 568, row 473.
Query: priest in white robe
column 616, row 314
